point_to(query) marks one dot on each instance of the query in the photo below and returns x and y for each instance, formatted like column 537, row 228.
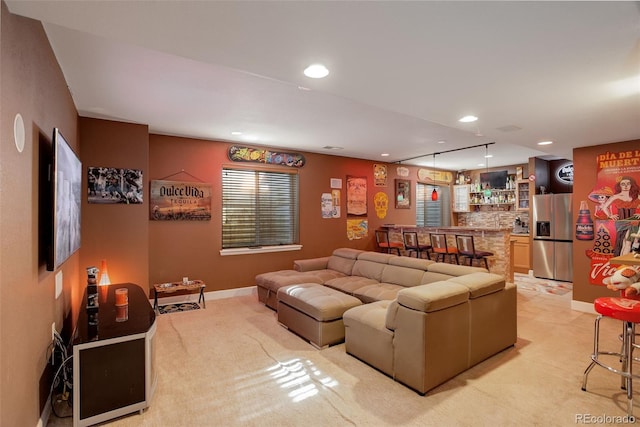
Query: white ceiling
column 402, row 73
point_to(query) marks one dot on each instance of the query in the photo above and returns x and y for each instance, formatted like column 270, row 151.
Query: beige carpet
column 231, row 364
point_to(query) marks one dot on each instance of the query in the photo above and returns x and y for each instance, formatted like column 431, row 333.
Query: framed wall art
column 403, row 194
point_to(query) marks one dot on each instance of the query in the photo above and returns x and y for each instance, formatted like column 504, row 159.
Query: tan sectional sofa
column 422, row 322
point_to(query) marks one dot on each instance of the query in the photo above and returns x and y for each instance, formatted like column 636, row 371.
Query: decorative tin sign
column 260, row 155
column 177, row 200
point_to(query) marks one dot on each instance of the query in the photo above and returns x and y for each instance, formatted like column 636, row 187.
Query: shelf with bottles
column 495, row 197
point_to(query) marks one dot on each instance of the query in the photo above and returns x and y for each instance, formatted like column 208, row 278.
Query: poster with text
column 616, row 208
column 180, row 201
column 357, row 229
column 357, row 195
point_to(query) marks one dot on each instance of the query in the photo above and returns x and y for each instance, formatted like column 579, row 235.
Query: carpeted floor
column 231, row 364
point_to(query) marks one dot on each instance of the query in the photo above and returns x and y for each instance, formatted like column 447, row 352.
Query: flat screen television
column 65, row 184
column 497, row 180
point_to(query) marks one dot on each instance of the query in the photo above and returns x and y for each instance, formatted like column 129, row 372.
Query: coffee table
column 170, row 287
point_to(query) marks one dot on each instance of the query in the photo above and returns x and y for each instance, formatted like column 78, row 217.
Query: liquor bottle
column 584, row 225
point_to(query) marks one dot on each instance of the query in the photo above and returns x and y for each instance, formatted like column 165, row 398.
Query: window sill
column 260, row 250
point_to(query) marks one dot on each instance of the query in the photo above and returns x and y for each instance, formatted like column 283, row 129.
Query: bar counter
column 491, row 239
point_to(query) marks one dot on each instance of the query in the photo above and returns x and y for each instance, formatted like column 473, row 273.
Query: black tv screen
column 496, row 179
column 66, row 183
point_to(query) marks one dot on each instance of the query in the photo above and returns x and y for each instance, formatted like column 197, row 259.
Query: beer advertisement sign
column 177, row 200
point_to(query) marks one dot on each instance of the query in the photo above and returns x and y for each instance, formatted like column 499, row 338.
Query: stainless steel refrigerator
column 552, row 236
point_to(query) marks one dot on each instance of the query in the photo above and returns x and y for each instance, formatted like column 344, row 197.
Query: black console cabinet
column 114, row 361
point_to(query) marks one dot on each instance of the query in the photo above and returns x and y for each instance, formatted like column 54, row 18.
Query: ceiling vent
column 509, row 128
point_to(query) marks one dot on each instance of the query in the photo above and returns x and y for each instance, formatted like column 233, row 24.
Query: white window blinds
column 259, row 208
column 431, row 213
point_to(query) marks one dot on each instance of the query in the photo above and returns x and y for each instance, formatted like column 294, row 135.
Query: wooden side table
column 170, row 287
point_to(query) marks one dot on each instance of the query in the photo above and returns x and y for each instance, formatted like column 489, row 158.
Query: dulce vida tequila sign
column 176, row 200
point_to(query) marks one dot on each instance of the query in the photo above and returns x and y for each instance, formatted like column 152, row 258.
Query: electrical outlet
column 53, row 331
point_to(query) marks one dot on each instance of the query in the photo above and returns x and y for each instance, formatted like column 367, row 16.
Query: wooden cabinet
column 522, row 195
column 114, row 370
column 521, row 254
column 461, row 198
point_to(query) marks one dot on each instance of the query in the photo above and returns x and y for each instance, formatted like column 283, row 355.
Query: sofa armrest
column 311, row 264
column 434, row 296
column 480, row 284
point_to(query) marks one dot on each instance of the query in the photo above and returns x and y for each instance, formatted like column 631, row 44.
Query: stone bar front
column 491, row 239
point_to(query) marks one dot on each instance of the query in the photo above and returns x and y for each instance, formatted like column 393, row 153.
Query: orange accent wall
column 32, row 84
column 585, row 169
column 192, row 248
column 118, row 233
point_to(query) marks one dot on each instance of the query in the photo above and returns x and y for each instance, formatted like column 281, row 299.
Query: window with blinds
column 431, row 213
column 259, row 208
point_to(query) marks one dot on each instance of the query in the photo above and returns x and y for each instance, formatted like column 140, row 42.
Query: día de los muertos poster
column 615, row 202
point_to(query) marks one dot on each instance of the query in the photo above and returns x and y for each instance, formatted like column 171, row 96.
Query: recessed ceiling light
column 468, row 119
column 235, row 132
column 481, row 164
column 545, row 143
column 385, row 154
column 316, row 71
column 441, row 142
column 488, row 156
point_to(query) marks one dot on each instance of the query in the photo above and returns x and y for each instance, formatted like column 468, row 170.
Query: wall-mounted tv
column 496, row 179
column 66, row 183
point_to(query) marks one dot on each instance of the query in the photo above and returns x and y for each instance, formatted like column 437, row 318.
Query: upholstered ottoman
column 314, row 312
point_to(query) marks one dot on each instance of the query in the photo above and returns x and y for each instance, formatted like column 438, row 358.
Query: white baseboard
column 208, row 296
column 586, row 307
column 46, row 413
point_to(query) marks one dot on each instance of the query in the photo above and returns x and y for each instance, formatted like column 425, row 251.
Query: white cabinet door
column 461, row 198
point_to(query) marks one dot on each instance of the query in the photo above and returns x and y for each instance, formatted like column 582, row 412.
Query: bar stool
column 628, row 311
column 467, row 250
column 412, row 244
column 441, row 249
column 383, row 242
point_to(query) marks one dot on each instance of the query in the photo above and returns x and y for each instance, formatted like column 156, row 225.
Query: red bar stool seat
column 385, row 244
column 626, row 310
column 467, row 250
column 412, row 244
column 441, row 249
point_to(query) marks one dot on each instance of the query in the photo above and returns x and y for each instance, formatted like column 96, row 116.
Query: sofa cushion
column 434, row 296
column 480, row 284
column 405, row 261
column 376, row 257
column 369, row 269
column 453, row 269
column 349, row 284
column 431, row 277
column 276, row 279
column 317, row 301
column 343, row 265
column 403, row 276
column 348, row 253
column 366, row 336
column 377, row 292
